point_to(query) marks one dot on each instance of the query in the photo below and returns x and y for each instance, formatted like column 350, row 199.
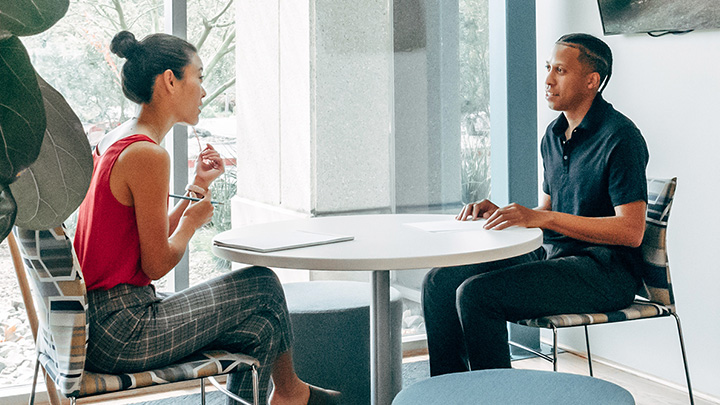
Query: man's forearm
column 625, row 230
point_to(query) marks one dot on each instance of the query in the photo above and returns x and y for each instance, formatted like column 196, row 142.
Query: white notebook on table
column 272, row 242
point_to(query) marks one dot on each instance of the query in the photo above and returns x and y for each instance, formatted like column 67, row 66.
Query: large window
column 441, row 125
column 74, row 57
column 211, row 28
column 442, row 120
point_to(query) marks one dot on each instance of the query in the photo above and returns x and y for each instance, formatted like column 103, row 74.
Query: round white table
column 382, row 243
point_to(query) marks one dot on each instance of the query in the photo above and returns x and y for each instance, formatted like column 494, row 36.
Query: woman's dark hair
column 594, row 53
column 147, row 59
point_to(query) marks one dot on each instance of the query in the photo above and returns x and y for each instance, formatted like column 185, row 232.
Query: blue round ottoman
column 517, row 387
column 331, row 328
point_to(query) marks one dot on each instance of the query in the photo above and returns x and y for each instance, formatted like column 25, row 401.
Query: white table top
column 386, row 242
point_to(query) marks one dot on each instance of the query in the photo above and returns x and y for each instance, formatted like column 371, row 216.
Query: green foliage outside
column 475, row 99
column 223, row 189
column 75, row 58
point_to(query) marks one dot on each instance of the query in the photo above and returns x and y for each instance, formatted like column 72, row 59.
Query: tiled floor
column 645, row 392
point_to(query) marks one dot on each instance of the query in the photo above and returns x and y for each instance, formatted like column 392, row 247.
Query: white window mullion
column 176, row 142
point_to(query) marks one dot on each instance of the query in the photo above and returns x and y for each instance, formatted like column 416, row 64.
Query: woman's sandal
column 322, row 396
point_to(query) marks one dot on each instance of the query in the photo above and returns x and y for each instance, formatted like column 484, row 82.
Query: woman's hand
column 473, row 211
column 200, row 212
column 208, row 166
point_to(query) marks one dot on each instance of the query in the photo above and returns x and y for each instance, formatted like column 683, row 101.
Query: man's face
column 568, row 81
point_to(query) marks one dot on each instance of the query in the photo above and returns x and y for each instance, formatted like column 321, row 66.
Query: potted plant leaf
column 45, row 159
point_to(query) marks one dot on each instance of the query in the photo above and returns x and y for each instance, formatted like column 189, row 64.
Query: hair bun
column 124, row 44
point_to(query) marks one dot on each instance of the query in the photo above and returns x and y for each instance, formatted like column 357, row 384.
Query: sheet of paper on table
column 272, row 242
column 449, row 225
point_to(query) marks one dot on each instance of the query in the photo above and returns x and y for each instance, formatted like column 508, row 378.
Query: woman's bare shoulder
column 145, row 155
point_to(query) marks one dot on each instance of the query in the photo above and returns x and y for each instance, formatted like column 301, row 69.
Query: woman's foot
column 299, row 394
column 322, row 396
column 305, row 394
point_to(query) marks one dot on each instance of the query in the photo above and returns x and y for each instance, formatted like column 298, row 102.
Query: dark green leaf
column 55, row 185
column 29, row 17
column 8, row 210
column 22, row 114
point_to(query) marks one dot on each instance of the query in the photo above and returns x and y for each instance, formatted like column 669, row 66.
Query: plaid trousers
column 133, row 329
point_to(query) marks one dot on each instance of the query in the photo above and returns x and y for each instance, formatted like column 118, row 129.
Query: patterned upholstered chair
column 655, row 300
column 60, row 300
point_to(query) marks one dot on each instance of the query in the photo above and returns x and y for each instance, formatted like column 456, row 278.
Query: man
column 592, row 213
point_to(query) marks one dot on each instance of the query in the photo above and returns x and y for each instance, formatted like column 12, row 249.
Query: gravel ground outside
column 17, row 348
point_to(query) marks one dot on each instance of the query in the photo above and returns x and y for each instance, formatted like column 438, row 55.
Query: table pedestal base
column 382, row 392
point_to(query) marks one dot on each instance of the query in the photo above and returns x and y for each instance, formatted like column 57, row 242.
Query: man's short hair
column 594, row 53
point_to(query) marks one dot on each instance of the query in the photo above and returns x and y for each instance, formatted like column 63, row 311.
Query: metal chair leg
column 684, row 356
column 256, row 386
column 202, row 391
column 531, row 350
column 555, row 348
column 587, row 344
column 34, row 383
column 232, row 395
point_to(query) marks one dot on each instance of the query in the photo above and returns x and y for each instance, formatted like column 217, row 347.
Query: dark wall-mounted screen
column 632, row 16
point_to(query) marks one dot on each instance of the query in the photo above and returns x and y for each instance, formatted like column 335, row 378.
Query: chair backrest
column 657, row 286
column 60, row 300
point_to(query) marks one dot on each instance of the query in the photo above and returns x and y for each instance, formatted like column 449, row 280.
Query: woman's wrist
column 196, row 181
column 194, row 188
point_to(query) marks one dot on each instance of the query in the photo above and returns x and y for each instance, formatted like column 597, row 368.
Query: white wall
column 670, row 87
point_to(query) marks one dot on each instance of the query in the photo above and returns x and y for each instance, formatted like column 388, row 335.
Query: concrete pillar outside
column 314, row 108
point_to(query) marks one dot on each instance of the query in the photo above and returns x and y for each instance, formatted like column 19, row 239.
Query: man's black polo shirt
column 600, row 167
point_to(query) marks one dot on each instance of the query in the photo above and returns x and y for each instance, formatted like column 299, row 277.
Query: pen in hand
column 184, row 197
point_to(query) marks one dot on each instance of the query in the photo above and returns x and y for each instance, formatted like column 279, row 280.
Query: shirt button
column 565, row 157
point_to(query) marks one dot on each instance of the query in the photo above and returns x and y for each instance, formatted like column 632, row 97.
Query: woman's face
column 191, row 92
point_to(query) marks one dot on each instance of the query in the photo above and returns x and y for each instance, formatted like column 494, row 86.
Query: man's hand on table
column 473, row 211
column 501, row 218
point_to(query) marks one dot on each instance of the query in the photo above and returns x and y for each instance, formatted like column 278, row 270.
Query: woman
column 126, row 237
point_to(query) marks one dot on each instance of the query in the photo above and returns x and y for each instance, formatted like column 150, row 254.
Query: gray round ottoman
column 517, row 387
column 331, row 327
